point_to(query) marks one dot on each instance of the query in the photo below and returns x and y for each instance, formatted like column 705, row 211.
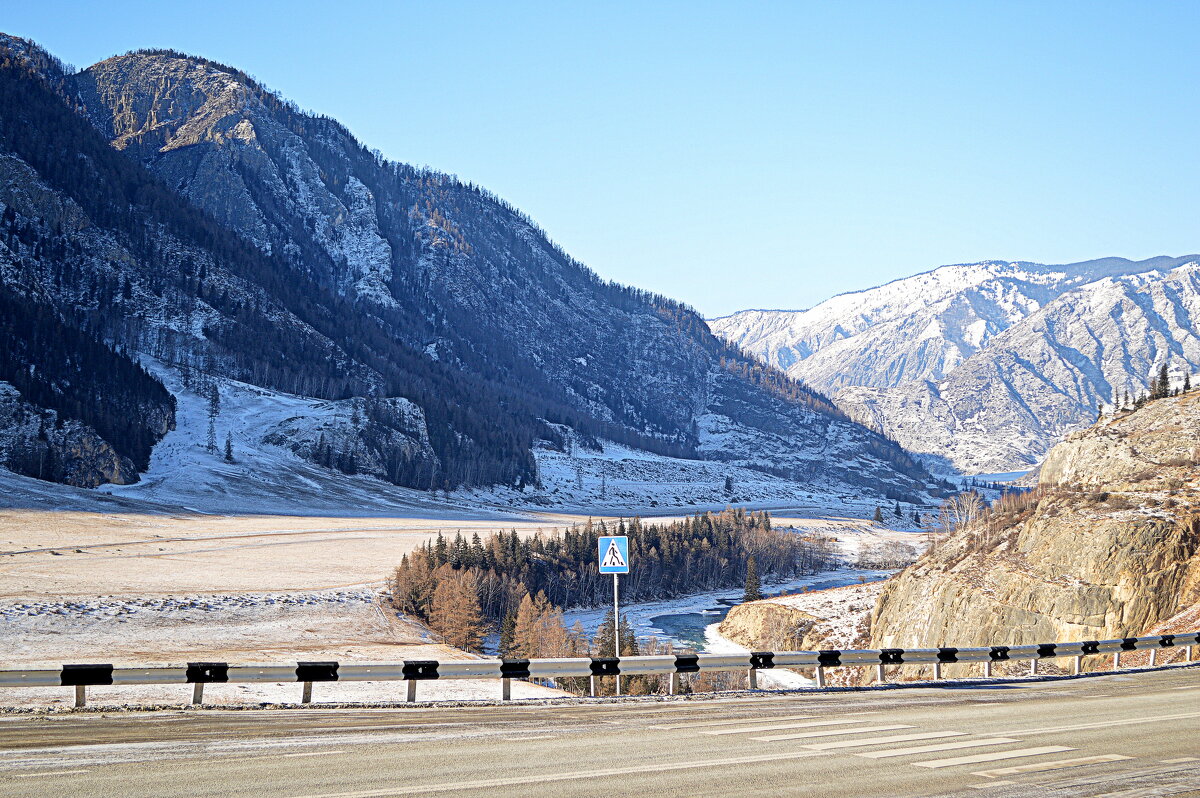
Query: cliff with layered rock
column 1107, row 545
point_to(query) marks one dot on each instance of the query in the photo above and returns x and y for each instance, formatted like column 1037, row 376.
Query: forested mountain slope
column 169, row 207
column 988, row 364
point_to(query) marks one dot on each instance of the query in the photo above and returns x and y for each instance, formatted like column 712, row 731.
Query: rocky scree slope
column 223, row 232
column 1107, row 546
column 984, row 366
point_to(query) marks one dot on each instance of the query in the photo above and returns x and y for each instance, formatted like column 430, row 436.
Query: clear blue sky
column 743, row 155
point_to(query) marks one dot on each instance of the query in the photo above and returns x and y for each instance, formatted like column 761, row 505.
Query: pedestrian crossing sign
column 614, row 554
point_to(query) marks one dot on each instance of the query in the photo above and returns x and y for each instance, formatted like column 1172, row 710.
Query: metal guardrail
column 199, row 674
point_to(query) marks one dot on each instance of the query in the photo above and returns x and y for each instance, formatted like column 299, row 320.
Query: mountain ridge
column 422, row 286
column 916, row 337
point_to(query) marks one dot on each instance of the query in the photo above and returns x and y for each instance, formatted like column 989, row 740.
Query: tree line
column 486, row 580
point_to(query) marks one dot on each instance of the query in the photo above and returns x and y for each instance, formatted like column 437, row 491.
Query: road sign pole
column 617, row 627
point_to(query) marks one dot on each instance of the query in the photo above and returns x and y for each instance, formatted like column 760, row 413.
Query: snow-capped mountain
column 170, row 208
column 987, row 365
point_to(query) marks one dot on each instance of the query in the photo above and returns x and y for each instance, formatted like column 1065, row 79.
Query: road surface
column 1121, row 735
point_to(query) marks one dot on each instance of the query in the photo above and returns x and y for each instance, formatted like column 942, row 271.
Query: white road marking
column 1058, row 764
column 992, row 757
column 928, row 749
column 1102, row 724
column 47, row 773
column 989, row 785
column 656, row 767
column 1181, row 760
column 731, row 722
column 831, row 732
column 895, row 738
column 777, row 726
column 316, row 753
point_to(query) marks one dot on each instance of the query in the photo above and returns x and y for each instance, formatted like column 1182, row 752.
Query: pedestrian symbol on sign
column 614, row 555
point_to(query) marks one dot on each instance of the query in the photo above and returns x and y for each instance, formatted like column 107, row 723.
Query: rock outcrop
column 1107, row 545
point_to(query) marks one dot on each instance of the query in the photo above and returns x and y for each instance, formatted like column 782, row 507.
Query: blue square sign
column 614, row 554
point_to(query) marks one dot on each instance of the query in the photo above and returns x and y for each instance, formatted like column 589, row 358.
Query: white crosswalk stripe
column 1058, row 764
column 774, row 727
column 895, row 738
column 928, row 749
column 831, row 732
column 994, row 756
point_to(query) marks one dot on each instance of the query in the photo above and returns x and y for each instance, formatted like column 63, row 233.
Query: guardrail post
column 1153, row 657
column 198, row 693
column 1116, row 660
column 820, row 676
column 1078, row 666
column 937, row 670
column 1187, row 655
column 506, row 689
column 754, row 678
column 879, row 675
column 673, row 687
column 592, row 685
column 1033, row 667
column 987, row 669
column 412, row 691
column 306, row 698
column 80, row 695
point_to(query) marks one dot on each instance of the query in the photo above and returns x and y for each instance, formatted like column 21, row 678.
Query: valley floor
column 90, row 577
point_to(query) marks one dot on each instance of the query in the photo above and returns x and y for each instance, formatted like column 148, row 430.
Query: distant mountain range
column 166, row 211
column 984, row 366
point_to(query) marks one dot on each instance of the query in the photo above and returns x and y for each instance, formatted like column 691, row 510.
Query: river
column 682, row 621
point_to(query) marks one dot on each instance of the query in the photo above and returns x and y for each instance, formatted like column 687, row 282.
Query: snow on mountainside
column 984, row 366
column 169, row 209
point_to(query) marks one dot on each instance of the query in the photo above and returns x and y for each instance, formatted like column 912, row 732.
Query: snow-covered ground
column 268, row 478
column 274, row 628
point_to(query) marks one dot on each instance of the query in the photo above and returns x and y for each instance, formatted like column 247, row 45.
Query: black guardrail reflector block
column 316, row 671
column 999, row 653
column 891, row 656
column 417, row 669
column 762, row 659
column 1046, row 650
column 607, row 666
column 947, row 655
column 687, row 663
column 1090, row 647
column 73, row 675
column 514, row 668
column 829, row 658
column 207, row 672
column 1129, row 644
column 1167, row 640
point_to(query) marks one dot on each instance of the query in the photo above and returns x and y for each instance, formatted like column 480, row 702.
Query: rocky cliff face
column 1107, row 546
column 985, row 366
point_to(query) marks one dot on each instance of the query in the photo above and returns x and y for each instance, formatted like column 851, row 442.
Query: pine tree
column 729, row 484
column 753, row 584
column 214, row 409
column 1187, row 381
column 455, row 613
column 878, row 515
column 507, row 628
column 897, row 512
column 228, row 448
column 1161, row 386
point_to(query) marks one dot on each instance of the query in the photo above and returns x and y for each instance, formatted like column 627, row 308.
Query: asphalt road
column 1121, row 735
